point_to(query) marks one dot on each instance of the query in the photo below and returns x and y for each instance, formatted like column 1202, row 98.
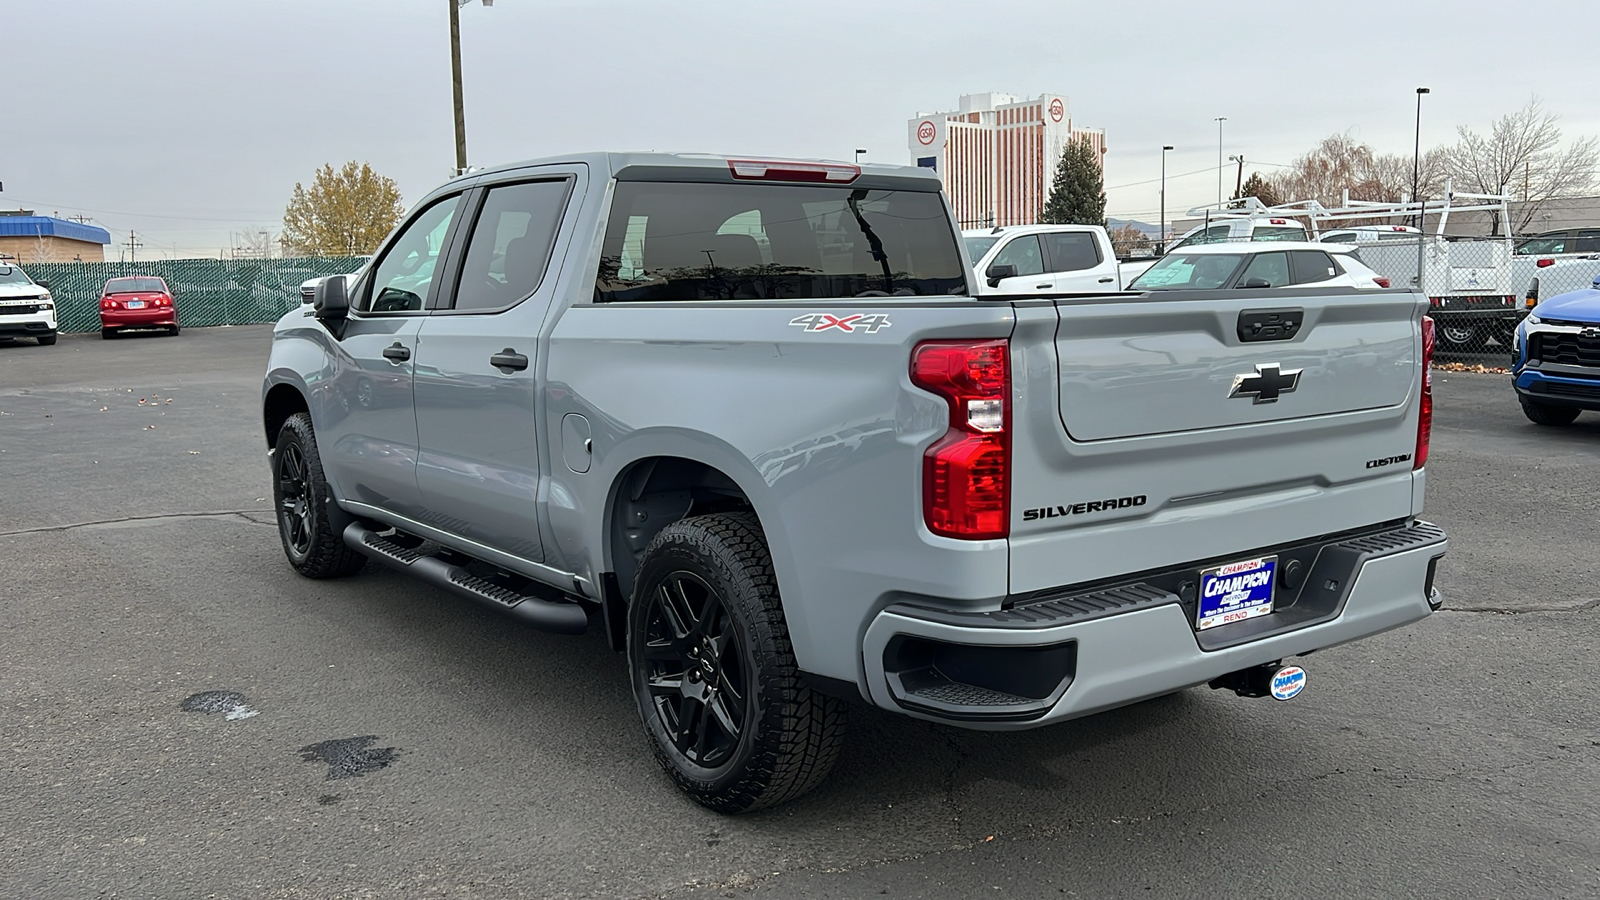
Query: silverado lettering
column 1078, row 509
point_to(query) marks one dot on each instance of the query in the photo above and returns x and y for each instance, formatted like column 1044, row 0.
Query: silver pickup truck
column 752, row 419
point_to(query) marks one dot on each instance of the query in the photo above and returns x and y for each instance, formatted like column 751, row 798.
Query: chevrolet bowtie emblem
column 1266, row 384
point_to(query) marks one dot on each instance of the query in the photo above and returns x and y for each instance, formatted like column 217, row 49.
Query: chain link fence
column 1476, row 288
column 205, row 291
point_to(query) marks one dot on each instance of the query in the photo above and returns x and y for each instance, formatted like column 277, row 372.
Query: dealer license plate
column 136, row 304
column 1236, row 591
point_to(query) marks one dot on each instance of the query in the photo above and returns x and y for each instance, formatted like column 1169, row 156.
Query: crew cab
column 1280, row 264
column 1059, row 258
column 755, row 420
column 26, row 307
column 1555, row 357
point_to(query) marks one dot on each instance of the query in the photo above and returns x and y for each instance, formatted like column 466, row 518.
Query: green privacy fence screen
column 206, row 291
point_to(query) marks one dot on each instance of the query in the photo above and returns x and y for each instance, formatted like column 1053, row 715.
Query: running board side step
column 541, row 613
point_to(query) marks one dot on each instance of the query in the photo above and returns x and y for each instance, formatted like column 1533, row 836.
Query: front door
column 477, row 381
column 367, row 428
column 1028, row 256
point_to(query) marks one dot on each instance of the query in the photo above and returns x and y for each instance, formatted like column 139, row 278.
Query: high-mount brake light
column 966, row 475
column 1425, row 415
column 783, row 170
column 1279, row 221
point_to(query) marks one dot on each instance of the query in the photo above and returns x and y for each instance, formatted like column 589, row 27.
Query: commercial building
column 996, row 154
column 28, row 238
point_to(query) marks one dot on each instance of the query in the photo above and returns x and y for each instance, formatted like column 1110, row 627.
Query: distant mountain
column 1151, row 230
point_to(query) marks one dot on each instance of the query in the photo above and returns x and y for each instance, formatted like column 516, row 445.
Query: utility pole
column 133, row 245
column 455, row 87
column 1238, row 180
column 1162, row 246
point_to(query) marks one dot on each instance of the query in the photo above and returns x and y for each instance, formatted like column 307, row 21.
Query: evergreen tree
column 1077, row 196
column 1260, row 188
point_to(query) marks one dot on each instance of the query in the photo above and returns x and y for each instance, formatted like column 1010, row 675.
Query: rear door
column 1077, row 263
column 477, row 365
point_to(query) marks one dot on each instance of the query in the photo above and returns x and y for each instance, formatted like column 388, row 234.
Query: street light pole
column 858, row 156
column 1416, row 153
column 1163, row 242
column 1220, row 120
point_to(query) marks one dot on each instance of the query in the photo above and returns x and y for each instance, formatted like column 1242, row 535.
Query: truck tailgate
column 1147, row 433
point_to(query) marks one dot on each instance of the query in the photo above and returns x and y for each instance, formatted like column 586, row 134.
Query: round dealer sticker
column 1287, row 682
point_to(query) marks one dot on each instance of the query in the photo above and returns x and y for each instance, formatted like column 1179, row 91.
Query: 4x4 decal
column 852, row 323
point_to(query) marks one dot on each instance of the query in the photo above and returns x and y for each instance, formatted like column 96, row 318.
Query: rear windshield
column 1278, row 233
column 134, row 285
column 1188, row 272
column 685, row 241
column 12, row 275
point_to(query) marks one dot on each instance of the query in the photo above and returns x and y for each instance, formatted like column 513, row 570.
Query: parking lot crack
column 242, row 515
column 1578, row 605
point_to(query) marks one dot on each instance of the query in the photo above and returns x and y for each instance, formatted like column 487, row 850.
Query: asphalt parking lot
column 376, row 738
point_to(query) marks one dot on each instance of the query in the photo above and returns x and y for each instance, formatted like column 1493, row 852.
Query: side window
column 1273, row 268
column 1588, row 242
column 1071, row 251
column 1339, row 237
column 1022, row 253
column 402, row 278
column 1311, row 266
column 510, row 245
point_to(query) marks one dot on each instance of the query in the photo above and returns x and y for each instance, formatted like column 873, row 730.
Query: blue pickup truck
column 1555, row 358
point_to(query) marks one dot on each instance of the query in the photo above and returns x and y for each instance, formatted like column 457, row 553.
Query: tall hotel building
column 997, row 154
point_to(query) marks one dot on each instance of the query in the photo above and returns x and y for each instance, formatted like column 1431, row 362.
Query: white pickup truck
column 1056, row 259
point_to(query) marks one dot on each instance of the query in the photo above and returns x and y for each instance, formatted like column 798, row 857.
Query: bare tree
column 1522, row 156
column 254, row 244
column 1127, row 240
column 1340, row 163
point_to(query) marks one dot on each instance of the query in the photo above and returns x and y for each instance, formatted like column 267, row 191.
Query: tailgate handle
column 1256, row 325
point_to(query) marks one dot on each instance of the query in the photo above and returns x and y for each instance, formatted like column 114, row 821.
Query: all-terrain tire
column 1546, row 414
column 788, row 734
column 302, row 500
column 46, row 340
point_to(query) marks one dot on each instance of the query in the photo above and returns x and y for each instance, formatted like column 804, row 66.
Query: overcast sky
column 187, row 120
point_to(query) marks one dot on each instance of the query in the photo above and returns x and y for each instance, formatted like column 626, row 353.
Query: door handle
column 396, row 353
column 508, row 361
column 1041, row 287
column 1106, row 280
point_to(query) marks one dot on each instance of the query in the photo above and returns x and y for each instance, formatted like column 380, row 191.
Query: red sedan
column 140, row 301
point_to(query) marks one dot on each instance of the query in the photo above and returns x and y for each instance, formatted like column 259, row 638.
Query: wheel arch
column 281, row 401
column 651, row 492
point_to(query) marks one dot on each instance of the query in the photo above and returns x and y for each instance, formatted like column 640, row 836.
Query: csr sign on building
column 996, row 153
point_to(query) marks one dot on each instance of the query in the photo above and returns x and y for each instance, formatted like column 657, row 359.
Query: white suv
column 26, row 307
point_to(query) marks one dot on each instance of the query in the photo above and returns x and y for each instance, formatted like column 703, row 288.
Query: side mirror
column 1256, row 283
column 998, row 272
column 329, row 301
column 43, row 284
column 1596, row 283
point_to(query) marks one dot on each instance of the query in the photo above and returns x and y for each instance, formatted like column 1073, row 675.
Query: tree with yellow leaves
column 344, row 213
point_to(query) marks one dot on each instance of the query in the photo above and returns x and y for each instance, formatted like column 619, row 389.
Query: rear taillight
column 1544, row 262
column 1380, row 281
column 1425, row 417
column 966, row 475
column 107, row 303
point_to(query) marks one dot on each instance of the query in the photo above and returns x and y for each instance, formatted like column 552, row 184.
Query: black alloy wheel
column 302, row 501
column 694, row 669
column 294, row 510
column 723, row 703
